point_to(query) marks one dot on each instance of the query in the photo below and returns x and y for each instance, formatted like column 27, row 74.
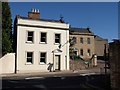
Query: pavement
column 94, row 70
column 58, row 73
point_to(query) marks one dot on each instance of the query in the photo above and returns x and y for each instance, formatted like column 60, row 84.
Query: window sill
column 42, row 43
column 29, row 42
column 57, row 43
column 28, row 63
column 42, row 63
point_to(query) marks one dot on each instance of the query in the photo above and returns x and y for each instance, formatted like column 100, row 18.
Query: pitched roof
column 48, row 20
column 80, row 30
column 99, row 38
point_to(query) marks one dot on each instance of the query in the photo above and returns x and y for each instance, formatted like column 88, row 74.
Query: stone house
column 83, row 42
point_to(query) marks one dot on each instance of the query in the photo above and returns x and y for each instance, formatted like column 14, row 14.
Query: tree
column 6, row 29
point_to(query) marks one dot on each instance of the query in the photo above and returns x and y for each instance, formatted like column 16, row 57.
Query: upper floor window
column 43, row 37
column 81, row 40
column 88, row 41
column 57, row 38
column 29, row 57
column 30, row 36
column 74, row 40
column 42, row 57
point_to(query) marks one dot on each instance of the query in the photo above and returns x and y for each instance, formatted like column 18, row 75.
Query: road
column 76, row 81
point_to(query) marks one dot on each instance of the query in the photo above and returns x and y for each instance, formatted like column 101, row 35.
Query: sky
column 100, row 17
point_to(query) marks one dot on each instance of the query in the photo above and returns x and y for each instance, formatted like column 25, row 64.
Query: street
column 76, row 81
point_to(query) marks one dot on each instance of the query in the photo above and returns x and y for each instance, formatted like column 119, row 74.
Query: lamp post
column 73, row 58
column 105, row 59
column 73, row 40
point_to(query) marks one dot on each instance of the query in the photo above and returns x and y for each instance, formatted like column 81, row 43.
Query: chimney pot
column 34, row 14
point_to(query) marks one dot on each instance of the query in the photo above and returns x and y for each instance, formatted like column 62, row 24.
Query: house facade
column 83, row 44
column 37, row 43
column 100, row 46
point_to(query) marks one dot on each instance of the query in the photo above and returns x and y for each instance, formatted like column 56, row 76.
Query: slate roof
column 48, row 20
column 80, row 30
column 99, row 38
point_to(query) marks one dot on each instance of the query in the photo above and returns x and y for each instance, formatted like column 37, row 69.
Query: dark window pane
column 30, row 36
column 74, row 39
column 57, row 38
column 81, row 40
column 30, row 33
column 43, row 57
column 29, row 56
column 43, row 37
column 81, row 52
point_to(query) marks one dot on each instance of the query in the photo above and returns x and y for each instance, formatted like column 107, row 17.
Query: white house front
column 37, row 43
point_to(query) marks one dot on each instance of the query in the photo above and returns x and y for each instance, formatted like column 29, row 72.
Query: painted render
column 24, row 25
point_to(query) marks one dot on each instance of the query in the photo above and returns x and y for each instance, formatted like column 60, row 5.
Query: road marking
column 87, row 74
column 62, row 78
column 13, row 81
column 34, row 78
column 57, row 76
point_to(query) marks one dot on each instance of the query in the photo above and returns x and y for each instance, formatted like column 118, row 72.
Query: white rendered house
column 37, row 43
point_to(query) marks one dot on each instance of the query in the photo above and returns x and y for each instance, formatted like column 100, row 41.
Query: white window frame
column 81, row 39
column 45, row 58
column 88, row 41
column 45, row 38
column 59, row 39
column 88, row 53
column 29, row 63
column 27, row 37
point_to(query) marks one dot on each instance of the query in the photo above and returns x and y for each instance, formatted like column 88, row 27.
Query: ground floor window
column 89, row 52
column 29, row 57
column 81, row 52
column 42, row 57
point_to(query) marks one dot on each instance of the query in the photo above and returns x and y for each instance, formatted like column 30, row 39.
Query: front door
column 57, row 62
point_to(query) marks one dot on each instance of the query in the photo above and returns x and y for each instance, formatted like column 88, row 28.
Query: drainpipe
column 15, row 64
column 66, row 52
column 53, row 60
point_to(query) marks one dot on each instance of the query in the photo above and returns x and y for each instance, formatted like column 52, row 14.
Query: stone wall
column 77, row 65
column 114, row 52
column 80, row 65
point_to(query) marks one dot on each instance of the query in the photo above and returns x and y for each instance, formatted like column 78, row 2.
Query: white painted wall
column 37, row 47
column 7, row 63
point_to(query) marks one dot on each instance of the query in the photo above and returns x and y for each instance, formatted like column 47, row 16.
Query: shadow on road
column 96, row 82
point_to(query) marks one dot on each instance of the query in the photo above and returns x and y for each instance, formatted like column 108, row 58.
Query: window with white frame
column 81, row 40
column 43, row 37
column 57, row 38
column 42, row 57
column 30, row 36
column 29, row 57
column 88, row 41
column 88, row 52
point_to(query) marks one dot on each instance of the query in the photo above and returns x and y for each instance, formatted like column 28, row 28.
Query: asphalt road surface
column 86, row 82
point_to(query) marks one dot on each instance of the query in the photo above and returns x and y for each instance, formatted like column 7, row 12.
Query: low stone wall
column 80, row 65
column 77, row 65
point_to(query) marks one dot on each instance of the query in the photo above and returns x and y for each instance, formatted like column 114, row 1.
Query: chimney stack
column 34, row 14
